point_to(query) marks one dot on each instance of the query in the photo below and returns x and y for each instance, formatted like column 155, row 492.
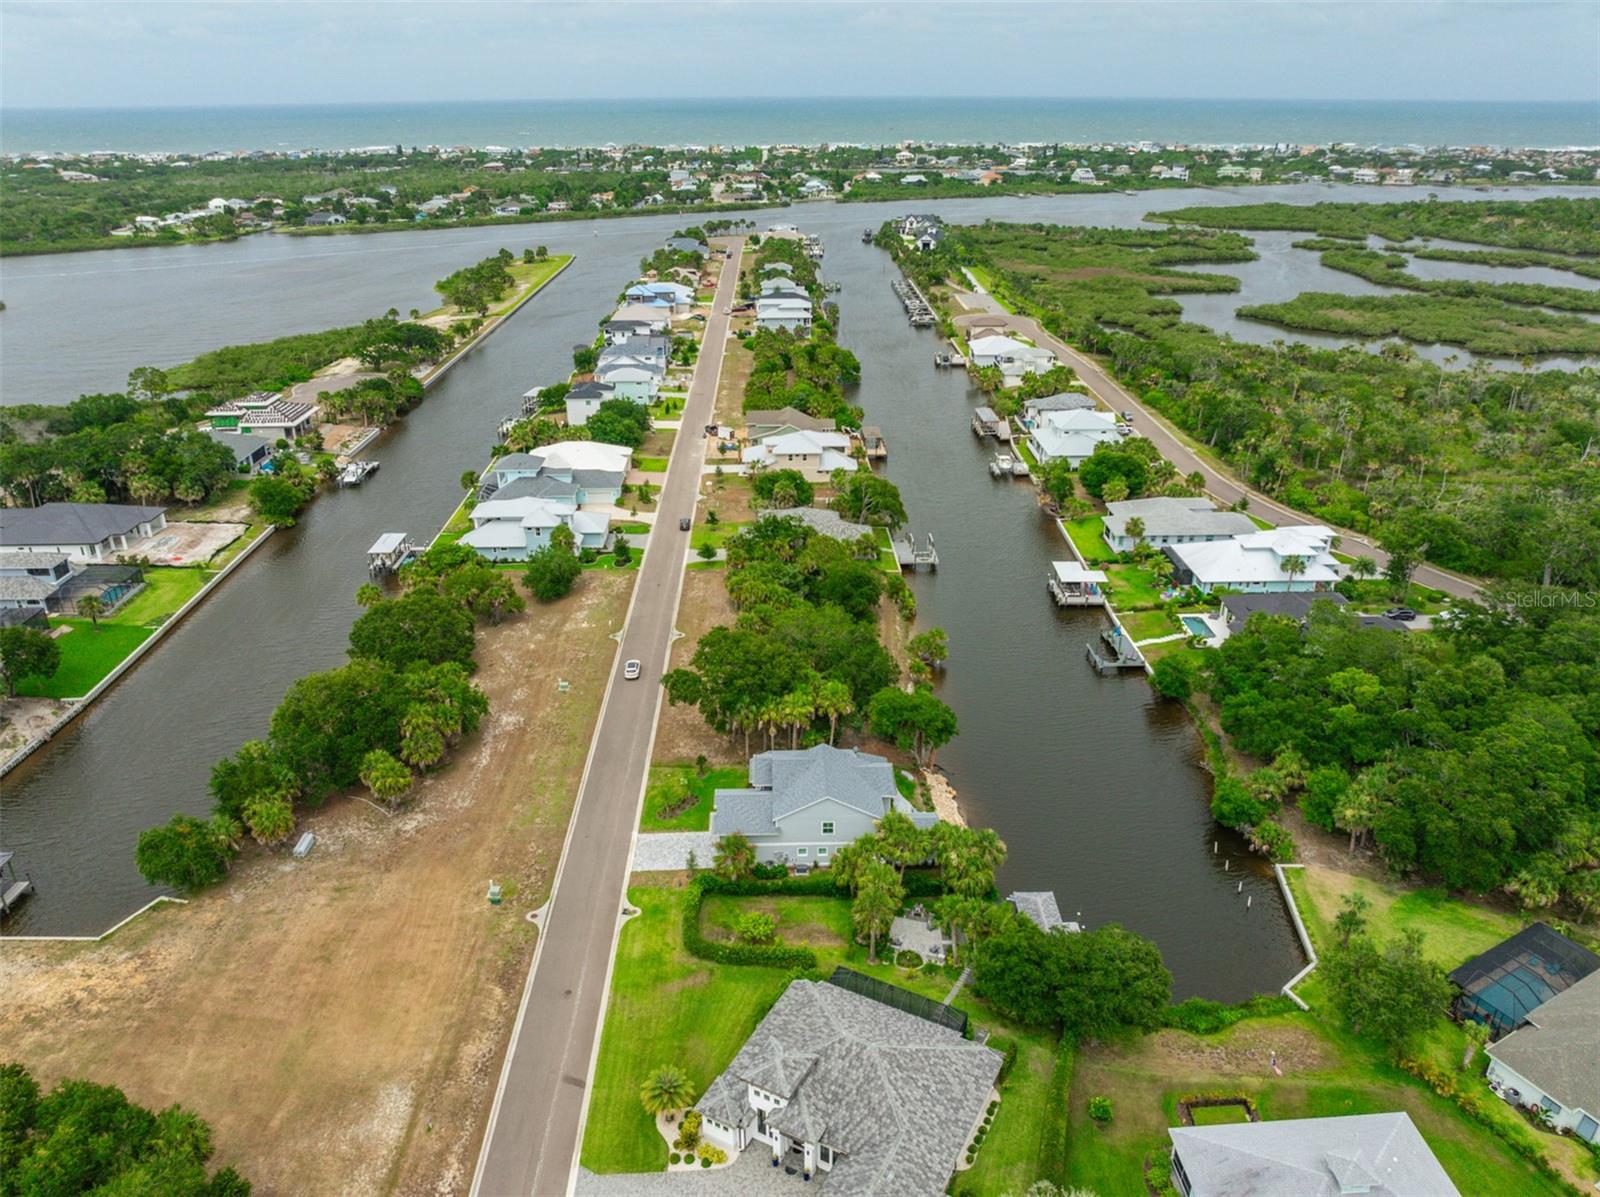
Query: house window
column 827, row 827
column 822, row 851
column 825, row 1155
column 801, row 851
column 1551, row 1105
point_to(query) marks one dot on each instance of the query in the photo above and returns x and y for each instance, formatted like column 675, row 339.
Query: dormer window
column 827, row 827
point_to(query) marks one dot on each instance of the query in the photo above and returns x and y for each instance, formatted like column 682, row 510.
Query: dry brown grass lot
column 737, row 365
column 681, row 734
column 340, row 1020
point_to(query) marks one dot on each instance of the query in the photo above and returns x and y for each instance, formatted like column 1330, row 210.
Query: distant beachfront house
column 318, row 220
column 1033, row 409
column 1011, row 356
column 815, row 454
column 862, row 1090
column 1291, row 557
column 1072, row 435
column 1171, row 521
column 81, row 531
column 1083, row 175
column 688, row 245
column 802, row 805
column 264, row 413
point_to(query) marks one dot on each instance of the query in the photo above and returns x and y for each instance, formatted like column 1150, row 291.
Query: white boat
column 1004, row 465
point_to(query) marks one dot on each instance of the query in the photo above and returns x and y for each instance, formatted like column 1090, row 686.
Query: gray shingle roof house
column 83, row 531
column 880, row 1100
column 820, row 519
column 1381, row 1155
column 778, row 421
column 802, row 804
column 1553, row 1060
column 1040, row 907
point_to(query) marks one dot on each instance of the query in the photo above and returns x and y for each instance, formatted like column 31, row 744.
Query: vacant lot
column 681, row 734
column 340, row 1020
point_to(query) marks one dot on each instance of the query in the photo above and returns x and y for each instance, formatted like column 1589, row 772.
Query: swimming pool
column 1195, row 626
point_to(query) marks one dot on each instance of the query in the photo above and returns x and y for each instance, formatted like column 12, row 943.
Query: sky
column 138, row 54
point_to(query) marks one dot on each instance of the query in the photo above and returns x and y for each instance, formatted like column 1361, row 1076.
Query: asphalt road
column 531, row 1143
column 1221, row 486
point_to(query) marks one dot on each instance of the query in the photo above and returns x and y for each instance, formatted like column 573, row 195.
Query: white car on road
column 630, row 671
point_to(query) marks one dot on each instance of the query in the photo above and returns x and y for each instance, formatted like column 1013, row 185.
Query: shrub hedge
column 1202, row 1016
column 1007, row 1047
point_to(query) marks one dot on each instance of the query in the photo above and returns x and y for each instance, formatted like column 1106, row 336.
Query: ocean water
column 804, row 121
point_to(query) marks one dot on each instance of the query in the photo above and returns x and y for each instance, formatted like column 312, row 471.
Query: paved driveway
column 657, row 850
column 531, row 1142
column 751, row 1175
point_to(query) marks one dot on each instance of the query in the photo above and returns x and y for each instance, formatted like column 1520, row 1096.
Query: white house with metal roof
column 514, row 529
column 1172, row 521
column 1072, row 435
column 1382, row 1155
column 1291, row 557
column 879, row 1100
column 803, row 804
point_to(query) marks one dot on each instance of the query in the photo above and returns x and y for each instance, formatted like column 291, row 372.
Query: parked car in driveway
column 630, row 671
column 1403, row 614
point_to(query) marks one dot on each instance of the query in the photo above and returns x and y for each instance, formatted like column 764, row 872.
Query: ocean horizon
column 572, row 123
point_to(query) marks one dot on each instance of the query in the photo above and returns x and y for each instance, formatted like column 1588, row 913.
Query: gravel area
column 663, row 850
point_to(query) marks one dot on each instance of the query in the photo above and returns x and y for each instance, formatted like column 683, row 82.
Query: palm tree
column 877, row 901
column 666, row 1089
column 735, row 857
column 386, row 777
column 833, row 699
column 1135, row 528
column 92, row 607
column 368, row 595
column 1364, row 567
column 1293, row 567
column 796, row 710
column 901, row 842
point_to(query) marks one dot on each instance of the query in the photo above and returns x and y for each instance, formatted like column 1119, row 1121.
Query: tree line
column 396, row 708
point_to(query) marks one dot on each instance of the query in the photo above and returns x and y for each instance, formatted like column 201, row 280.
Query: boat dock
column 877, row 449
column 946, row 361
column 986, row 423
column 1072, row 585
column 1123, row 654
column 355, row 473
column 12, row 890
column 389, row 552
column 918, row 309
column 910, row 556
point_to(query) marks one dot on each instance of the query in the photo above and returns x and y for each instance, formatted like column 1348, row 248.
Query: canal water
column 1095, row 786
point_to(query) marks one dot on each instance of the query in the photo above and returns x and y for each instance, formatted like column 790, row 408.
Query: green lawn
column 1132, row 587
column 715, row 535
column 247, row 538
column 1086, row 537
column 87, row 655
column 1143, row 625
column 1325, row 1073
column 669, row 1007
column 669, row 784
column 1219, row 1115
column 651, row 465
column 166, row 588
